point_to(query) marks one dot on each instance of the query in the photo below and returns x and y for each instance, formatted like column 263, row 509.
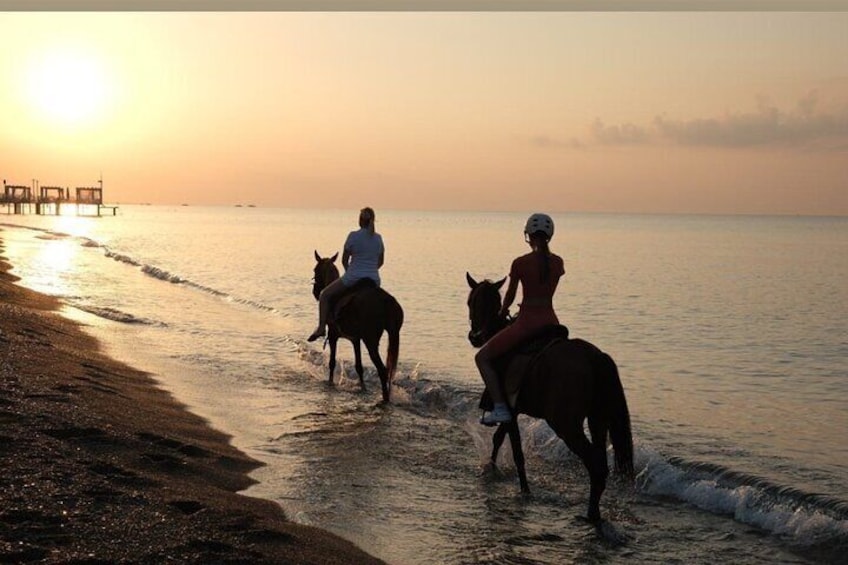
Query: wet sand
column 100, row 465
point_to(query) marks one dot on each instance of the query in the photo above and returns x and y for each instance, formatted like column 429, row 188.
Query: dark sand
column 99, row 465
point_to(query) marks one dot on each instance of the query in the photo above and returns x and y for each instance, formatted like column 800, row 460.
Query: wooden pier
column 49, row 200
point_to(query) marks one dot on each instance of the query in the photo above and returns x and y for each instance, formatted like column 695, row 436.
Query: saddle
column 338, row 309
column 514, row 365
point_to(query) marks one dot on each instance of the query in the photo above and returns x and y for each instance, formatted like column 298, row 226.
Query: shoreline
column 101, row 465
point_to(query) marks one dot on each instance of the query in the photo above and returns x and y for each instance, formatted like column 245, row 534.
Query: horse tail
column 394, row 321
column 612, row 392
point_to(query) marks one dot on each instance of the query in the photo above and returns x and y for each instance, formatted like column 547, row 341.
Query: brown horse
column 367, row 312
column 569, row 381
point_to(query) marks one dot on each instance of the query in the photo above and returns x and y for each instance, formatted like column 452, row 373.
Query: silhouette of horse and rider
column 565, row 382
column 362, row 314
column 354, row 306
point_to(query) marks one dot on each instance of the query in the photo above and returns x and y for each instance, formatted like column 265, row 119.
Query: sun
column 67, row 87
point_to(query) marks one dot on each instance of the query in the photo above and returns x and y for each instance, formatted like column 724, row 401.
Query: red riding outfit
column 536, row 309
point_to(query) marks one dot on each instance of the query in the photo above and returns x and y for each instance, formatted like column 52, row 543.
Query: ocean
column 730, row 334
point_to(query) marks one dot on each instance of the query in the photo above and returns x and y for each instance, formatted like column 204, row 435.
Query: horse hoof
column 590, row 519
column 490, row 470
column 611, row 534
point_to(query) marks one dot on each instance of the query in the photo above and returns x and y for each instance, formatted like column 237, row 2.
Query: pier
column 49, row 200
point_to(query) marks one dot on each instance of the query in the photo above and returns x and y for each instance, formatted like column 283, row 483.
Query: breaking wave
column 803, row 519
column 173, row 278
column 115, row 315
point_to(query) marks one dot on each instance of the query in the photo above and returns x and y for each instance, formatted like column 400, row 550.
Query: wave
column 173, row 278
column 804, row 519
column 115, row 315
column 147, row 269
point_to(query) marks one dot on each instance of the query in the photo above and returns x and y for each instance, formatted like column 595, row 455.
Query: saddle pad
column 514, row 366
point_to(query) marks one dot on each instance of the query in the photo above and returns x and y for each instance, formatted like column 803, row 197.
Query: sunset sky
column 694, row 112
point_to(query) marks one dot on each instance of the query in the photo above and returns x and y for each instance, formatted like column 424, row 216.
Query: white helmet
column 539, row 222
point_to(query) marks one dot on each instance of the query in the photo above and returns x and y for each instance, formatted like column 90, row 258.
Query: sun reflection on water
column 69, row 223
column 54, row 264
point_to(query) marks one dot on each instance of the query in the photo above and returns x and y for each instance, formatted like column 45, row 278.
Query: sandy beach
column 100, row 465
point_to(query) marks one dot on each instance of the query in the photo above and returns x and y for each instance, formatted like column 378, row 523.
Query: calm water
column 730, row 334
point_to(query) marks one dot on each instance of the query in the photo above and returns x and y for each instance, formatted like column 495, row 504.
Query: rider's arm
column 509, row 297
column 381, row 259
column 345, row 258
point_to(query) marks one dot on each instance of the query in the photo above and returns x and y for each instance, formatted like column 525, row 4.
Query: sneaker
column 315, row 335
column 500, row 415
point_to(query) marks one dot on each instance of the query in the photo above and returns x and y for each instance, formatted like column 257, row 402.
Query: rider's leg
column 500, row 414
column 327, row 296
column 499, row 344
column 490, row 377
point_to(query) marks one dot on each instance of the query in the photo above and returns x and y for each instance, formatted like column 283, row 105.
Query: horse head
column 325, row 273
column 484, row 305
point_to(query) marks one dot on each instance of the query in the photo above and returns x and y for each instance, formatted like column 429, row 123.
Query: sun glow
column 68, row 87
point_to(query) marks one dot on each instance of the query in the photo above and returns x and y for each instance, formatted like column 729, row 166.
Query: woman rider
column 362, row 257
column 538, row 272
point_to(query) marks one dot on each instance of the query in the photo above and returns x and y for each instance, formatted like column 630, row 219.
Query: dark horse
column 367, row 313
column 569, row 381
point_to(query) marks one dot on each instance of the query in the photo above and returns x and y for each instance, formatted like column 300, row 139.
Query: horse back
column 367, row 311
column 559, row 381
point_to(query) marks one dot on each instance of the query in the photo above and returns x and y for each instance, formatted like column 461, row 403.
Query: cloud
column 625, row 134
column 806, row 125
column 767, row 126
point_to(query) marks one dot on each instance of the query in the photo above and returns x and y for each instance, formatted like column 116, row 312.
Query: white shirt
column 365, row 250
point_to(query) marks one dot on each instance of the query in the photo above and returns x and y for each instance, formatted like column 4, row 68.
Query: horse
column 368, row 311
column 568, row 382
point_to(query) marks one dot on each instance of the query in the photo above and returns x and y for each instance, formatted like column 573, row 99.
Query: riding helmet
column 539, row 222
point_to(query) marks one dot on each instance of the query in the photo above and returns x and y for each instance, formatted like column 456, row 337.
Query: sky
column 567, row 111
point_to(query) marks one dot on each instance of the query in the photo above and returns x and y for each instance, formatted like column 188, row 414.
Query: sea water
column 730, row 335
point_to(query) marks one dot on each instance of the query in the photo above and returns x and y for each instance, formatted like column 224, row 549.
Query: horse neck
column 330, row 275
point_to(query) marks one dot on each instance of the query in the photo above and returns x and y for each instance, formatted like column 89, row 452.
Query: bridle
column 484, row 304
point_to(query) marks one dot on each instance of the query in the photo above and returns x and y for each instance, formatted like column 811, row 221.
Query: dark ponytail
column 540, row 242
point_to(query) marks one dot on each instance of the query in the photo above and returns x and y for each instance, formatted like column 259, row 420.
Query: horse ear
column 334, row 257
column 317, row 257
column 471, row 282
column 500, row 283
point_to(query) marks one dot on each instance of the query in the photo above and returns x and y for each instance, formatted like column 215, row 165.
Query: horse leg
column 333, row 341
column 373, row 351
column 357, row 355
column 594, row 459
column 497, row 442
column 517, row 453
column 598, row 431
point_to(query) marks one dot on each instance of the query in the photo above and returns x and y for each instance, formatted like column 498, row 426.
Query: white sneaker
column 500, row 415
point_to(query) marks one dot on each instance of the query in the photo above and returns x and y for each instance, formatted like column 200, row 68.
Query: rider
column 362, row 258
column 539, row 272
